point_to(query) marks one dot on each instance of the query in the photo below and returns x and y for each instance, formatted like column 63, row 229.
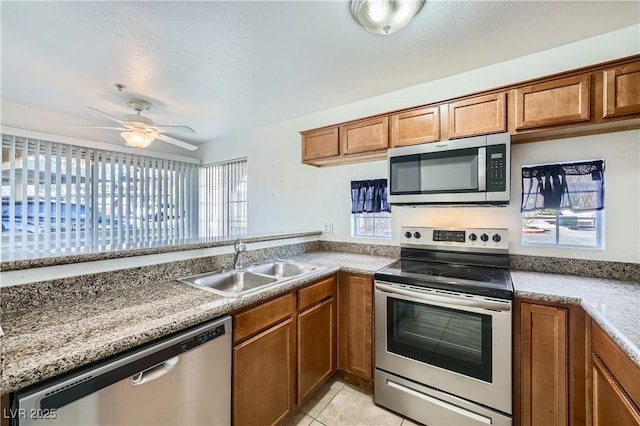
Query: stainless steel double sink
column 239, row 282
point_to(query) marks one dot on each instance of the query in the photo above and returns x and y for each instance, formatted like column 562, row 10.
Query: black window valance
column 576, row 186
column 369, row 196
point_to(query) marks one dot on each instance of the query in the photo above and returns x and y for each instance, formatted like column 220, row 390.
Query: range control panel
column 494, row 238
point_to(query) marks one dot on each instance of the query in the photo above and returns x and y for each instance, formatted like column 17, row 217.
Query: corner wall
column 284, row 194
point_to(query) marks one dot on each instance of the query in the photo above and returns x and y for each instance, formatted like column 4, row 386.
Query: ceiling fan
column 139, row 131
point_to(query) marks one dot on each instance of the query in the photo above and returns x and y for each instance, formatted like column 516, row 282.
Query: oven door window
column 452, row 339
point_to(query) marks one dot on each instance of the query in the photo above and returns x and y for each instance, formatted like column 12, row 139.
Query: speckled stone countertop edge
column 38, row 369
column 221, row 306
column 630, row 349
column 66, row 259
column 627, row 346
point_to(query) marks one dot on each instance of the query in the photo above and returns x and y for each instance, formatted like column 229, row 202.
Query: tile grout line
column 325, row 407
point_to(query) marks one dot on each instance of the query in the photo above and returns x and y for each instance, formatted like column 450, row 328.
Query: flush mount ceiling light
column 384, row 16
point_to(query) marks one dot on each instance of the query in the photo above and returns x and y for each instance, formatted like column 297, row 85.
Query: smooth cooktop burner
column 493, row 282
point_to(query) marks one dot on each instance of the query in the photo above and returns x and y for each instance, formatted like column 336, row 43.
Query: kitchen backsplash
column 587, row 268
column 86, row 286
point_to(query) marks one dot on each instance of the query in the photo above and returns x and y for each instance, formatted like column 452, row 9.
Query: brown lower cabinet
column 355, row 325
column 316, row 337
column 284, row 349
column 264, row 364
column 550, row 348
column 616, row 383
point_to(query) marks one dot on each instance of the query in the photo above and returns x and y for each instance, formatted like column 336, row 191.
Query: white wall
column 284, row 194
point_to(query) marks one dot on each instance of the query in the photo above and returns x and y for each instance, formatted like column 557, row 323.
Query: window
column 370, row 211
column 563, row 204
column 223, row 199
column 56, row 197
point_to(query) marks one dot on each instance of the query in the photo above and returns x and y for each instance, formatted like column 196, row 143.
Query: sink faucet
column 239, row 247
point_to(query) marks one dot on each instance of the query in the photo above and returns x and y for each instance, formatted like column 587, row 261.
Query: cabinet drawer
column 552, row 103
column 261, row 317
column 624, row 370
column 315, row 293
column 621, row 90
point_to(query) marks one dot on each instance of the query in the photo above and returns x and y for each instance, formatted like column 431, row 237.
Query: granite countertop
column 612, row 304
column 48, row 339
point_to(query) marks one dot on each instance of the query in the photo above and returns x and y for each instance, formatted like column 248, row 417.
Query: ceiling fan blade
column 176, row 142
column 174, row 129
column 86, row 126
column 116, row 119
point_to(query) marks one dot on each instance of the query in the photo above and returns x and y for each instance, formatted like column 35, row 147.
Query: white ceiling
column 224, row 66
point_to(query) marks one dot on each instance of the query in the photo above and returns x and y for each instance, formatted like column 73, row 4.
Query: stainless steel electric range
column 443, row 352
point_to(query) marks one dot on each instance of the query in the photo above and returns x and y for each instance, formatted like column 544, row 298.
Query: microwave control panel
column 496, row 168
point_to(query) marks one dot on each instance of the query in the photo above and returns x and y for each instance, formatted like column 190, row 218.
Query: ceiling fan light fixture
column 137, row 138
column 384, row 17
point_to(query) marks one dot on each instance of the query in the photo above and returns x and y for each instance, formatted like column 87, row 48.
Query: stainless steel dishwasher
column 184, row 379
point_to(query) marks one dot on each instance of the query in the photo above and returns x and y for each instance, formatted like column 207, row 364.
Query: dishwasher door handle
column 154, row 372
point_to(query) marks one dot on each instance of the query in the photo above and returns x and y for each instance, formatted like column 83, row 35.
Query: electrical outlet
column 328, row 227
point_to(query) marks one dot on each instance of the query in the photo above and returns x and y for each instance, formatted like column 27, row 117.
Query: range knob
column 473, row 237
column 484, row 237
column 417, row 234
column 407, row 234
column 496, row 238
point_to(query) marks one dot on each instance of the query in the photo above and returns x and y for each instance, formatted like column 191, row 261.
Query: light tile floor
column 337, row 403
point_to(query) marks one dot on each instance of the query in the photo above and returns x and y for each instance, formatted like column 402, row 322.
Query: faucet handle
column 239, row 246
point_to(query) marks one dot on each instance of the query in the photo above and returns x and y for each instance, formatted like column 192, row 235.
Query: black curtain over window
column 576, row 186
column 369, row 196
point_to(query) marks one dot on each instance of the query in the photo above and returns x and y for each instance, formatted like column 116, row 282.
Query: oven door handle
column 447, row 300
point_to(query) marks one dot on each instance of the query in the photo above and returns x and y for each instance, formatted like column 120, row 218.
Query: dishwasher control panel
column 203, row 338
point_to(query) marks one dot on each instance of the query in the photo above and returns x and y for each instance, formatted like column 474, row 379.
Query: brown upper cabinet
column 560, row 105
column 621, row 86
column 320, row 143
column 478, row 115
column 365, row 135
column 555, row 102
column 414, row 127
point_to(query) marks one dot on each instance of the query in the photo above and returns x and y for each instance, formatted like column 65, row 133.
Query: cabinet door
column 321, row 143
column 611, row 405
column 264, row 377
column 415, row 127
column 365, row 135
column 553, row 103
column 543, row 386
column 316, row 347
column 621, row 88
column 356, row 326
column 478, row 116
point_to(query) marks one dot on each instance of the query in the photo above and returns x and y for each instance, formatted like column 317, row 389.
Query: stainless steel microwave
column 473, row 170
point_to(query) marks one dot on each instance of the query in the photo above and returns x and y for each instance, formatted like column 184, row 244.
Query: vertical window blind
column 56, row 197
column 223, row 199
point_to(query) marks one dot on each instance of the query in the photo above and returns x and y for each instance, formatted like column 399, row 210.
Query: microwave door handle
column 482, row 169
column 445, row 300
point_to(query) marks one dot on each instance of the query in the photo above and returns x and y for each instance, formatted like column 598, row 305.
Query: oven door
column 460, row 344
